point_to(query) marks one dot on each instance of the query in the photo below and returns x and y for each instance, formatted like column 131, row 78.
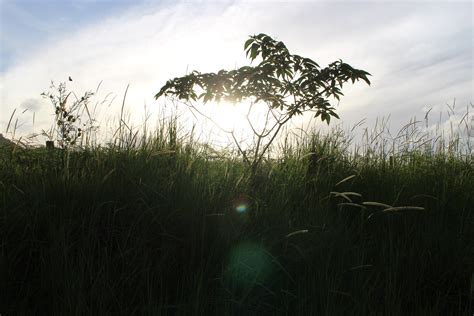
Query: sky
column 420, row 54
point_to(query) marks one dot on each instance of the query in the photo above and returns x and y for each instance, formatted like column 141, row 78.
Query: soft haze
column 420, row 54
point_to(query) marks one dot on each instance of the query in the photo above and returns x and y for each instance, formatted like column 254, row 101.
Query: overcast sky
column 420, row 54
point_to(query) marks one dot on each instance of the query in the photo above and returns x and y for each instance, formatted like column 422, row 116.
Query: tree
column 289, row 84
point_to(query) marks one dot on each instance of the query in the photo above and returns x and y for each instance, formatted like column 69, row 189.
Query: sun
column 224, row 121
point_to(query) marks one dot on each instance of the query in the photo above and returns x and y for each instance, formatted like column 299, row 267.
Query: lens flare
column 241, row 208
column 241, row 204
column 248, row 264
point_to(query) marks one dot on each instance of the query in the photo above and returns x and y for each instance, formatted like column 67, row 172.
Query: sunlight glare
column 223, row 118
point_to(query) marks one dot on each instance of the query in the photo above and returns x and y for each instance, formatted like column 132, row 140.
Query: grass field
column 159, row 228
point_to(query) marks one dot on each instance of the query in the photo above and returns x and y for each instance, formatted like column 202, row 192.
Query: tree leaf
column 248, row 42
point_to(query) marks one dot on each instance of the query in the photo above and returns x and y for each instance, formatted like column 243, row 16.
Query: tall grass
column 152, row 225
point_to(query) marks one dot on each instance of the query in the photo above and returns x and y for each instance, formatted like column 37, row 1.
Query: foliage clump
column 69, row 124
column 282, row 80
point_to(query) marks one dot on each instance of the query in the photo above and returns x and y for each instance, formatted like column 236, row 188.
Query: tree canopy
column 284, row 81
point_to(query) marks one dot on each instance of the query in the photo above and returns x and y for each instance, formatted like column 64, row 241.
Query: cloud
column 418, row 53
column 31, row 104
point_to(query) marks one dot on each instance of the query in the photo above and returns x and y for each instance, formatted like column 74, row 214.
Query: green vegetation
column 158, row 228
column 160, row 224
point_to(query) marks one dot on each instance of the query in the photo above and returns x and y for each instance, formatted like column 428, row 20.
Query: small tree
column 289, row 84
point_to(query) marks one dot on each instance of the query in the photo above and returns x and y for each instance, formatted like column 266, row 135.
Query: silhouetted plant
column 285, row 82
column 68, row 124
